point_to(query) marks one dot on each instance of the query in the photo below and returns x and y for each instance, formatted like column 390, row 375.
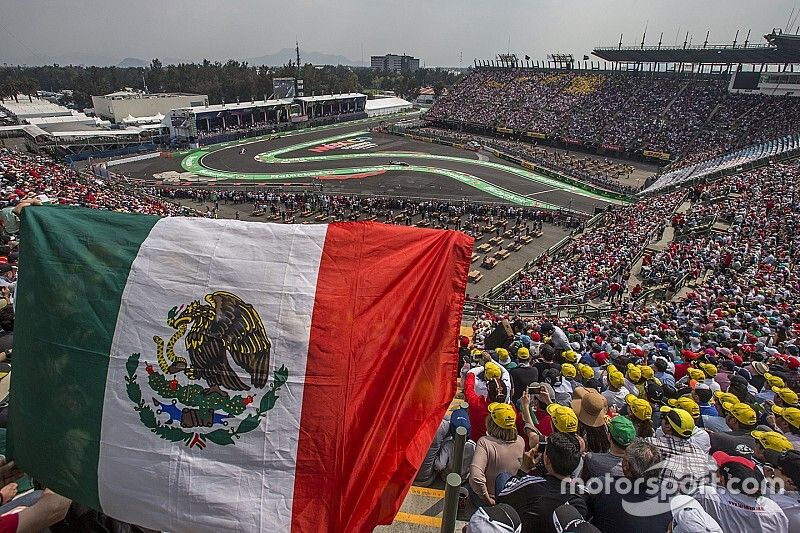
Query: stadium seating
column 688, row 119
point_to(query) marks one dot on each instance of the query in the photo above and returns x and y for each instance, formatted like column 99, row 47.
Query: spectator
column 500, row 450
column 621, row 433
column 536, row 498
column 609, row 508
column 737, row 503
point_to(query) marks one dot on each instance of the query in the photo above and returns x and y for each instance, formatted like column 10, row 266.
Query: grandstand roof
column 328, row 97
column 719, row 55
column 31, row 108
column 386, row 103
column 782, row 48
column 216, row 108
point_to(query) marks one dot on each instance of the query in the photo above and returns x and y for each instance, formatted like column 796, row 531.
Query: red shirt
column 9, row 523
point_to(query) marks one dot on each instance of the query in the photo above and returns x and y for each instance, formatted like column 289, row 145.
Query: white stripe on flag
column 246, row 486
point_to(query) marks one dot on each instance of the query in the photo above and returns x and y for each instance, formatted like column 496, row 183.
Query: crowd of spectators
column 596, row 262
column 696, row 397
column 632, row 112
column 460, row 215
column 24, row 175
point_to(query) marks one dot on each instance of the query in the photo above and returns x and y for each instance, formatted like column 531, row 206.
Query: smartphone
column 533, row 389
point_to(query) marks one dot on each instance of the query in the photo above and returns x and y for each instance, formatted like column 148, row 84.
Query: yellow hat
column 696, row 374
column 687, row 404
column 503, row 415
column 523, row 353
column 491, row 370
column 568, row 370
column 586, row 371
column 615, row 378
column 790, row 414
column 638, row 407
column 786, row 394
column 570, row 355
column 564, row 418
column 772, row 440
column 680, row 420
column 634, row 373
column 741, row 412
column 725, row 397
column 774, row 381
column 502, row 353
column 647, row 372
column 709, row 369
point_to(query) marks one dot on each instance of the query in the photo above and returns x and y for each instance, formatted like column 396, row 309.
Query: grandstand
column 636, row 257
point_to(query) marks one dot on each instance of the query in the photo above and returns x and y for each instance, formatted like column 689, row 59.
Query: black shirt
column 609, row 516
column 739, row 443
column 536, row 498
column 521, row 377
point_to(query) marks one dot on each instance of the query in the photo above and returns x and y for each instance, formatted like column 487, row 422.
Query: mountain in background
column 99, row 60
column 289, row 54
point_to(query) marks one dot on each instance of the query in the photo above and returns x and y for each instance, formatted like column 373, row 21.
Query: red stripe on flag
column 381, row 370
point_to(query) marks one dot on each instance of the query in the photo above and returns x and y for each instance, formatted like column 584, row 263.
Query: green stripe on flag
column 74, row 265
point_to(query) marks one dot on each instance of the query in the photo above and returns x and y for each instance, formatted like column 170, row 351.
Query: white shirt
column 480, row 385
column 790, row 503
column 739, row 512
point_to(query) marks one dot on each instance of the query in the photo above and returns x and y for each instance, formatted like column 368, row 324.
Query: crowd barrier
column 132, row 159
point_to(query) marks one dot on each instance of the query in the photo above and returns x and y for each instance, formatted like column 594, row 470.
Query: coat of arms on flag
column 222, row 326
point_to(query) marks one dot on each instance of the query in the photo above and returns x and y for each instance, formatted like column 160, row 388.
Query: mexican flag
column 214, row 375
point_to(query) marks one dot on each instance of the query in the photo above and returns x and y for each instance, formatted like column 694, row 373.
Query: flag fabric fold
column 204, row 375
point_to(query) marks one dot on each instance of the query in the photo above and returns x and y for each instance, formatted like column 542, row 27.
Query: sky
column 439, row 32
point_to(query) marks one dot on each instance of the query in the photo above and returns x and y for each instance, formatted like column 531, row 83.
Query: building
column 130, row 103
column 395, row 63
column 387, row 106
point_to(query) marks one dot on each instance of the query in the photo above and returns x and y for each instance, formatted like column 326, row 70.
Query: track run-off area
column 295, row 156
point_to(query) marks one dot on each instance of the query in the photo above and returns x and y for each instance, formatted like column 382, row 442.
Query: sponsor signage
column 656, row 155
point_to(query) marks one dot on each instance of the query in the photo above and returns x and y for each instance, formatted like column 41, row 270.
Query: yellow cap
column 615, row 378
column 725, row 397
column 696, row 374
column 570, row 355
column 774, row 381
column 564, row 418
column 634, row 373
column 741, row 412
column 790, row 414
column 491, row 370
column 568, row 370
column 523, row 353
column 709, row 369
column 638, row 407
column 687, row 404
column 503, row 415
column 772, row 440
column 787, row 395
column 647, row 372
column 680, row 420
column 586, row 371
column 502, row 353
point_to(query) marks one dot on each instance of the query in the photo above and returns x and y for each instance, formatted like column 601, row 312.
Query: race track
column 349, row 158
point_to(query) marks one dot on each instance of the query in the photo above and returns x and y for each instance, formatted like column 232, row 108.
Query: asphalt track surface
column 433, row 171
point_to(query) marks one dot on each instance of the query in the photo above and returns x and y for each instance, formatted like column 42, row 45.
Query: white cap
column 688, row 516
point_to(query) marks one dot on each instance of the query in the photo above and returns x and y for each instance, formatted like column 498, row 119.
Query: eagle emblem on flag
column 219, row 330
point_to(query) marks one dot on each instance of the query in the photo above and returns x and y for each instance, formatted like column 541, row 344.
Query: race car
column 399, row 163
column 243, row 151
